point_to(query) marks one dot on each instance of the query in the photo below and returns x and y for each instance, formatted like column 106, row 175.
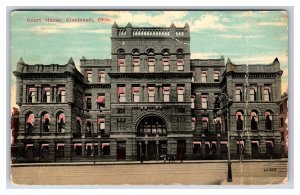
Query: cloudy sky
column 246, row 37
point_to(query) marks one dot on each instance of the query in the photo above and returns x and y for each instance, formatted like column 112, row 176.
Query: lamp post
column 228, row 100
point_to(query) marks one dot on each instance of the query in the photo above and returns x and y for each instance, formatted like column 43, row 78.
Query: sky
column 246, row 37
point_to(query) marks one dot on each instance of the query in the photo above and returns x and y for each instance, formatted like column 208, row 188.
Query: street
column 196, row 173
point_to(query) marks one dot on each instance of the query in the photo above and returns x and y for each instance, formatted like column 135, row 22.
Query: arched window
column 254, row 120
column 180, row 60
column 78, row 126
column 151, row 126
column 29, row 126
column 88, row 127
column 151, row 60
column 217, row 122
column 268, row 118
column 239, row 121
column 136, row 60
column 45, row 122
column 121, row 60
column 60, row 118
column 166, row 60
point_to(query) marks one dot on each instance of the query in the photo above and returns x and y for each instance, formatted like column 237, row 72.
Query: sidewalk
column 145, row 162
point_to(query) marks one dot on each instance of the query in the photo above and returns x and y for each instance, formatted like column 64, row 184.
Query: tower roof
column 276, row 60
column 186, row 25
column 128, row 25
column 228, row 61
column 172, row 25
column 71, row 61
column 115, row 25
column 21, row 61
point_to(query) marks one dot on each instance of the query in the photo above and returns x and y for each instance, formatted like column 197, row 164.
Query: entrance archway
column 151, row 138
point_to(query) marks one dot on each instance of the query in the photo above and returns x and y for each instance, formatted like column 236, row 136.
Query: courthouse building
column 149, row 100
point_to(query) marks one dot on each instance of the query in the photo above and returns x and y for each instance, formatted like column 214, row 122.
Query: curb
column 139, row 163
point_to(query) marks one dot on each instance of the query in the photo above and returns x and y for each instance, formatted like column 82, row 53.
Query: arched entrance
column 151, row 138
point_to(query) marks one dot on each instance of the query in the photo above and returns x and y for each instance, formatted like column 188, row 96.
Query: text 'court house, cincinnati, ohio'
column 149, row 100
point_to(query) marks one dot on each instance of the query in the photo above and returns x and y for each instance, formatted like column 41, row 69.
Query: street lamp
column 228, row 101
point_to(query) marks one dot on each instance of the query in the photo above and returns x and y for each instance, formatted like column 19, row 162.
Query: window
column 61, row 94
column 29, row 150
column 267, row 93
column 151, row 94
column 252, row 93
column 105, row 148
column 46, row 122
column 205, row 124
column 78, row 126
column 121, row 65
column 180, row 64
column 61, row 123
column 281, row 122
column 203, row 76
column 100, row 101
column 166, row 63
column 31, row 95
column 136, row 64
column 238, row 94
column 166, row 93
column 193, row 123
column 204, row 101
column 101, row 123
column 88, row 103
column 180, row 61
column 180, row 93
column 254, row 120
column 218, row 124
column 136, row 94
column 151, row 126
column 192, row 101
column 88, row 127
column 239, row 121
column 193, row 78
column 46, row 94
column 60, row 150
column 121, row 94
column 196, row 147
column 216, row 76
column 102, row 76
column 151, row 64
column 29, row 127
column 121, row 123
column 268, row 123
column 89, row 76
column 77, row 149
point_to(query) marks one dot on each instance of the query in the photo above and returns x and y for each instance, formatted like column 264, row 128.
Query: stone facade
column 149, row 100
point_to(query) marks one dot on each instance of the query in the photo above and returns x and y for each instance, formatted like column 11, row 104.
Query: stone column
column 189, row 148
column 113, row 150
column 203, row 148
column 247, row 149
column 259, row 93
column 146, row 150
column 157, row 150
column 51, row 151
column 83, row 149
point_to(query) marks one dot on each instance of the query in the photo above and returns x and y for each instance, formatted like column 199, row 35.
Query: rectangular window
column 180, row 94
column 203, row 76
column 252, row 93
column 151, row 94
column 121, row 65
column 102, row 123
column 267, row 93
column 136, row 64
column 61, row 94
column 46, row 94
column 205, row 123
column 121, row 94
column 100, row 101
column 166, row 93
column 180, row 64
column 151, row 64
column 136, row 94
column 216, row 76
column 166, row 63
column 105, row 148
column 89, row 76
column 88, row 103
column 31, row 95
column 192, row 101
column 204, row 101
column 102, row 76
column 238, row 94
column 193, row 78
column 193, row 123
